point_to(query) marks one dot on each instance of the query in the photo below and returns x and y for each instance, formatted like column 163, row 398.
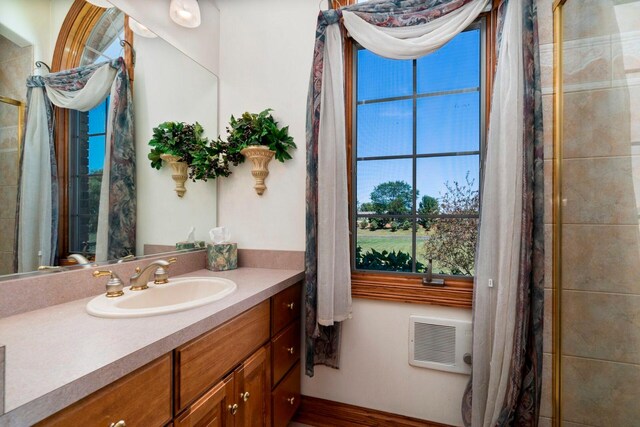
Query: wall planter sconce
column 258, row 138
column 179, row 172
column 260, row 156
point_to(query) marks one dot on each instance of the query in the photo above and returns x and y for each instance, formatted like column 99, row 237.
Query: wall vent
column 439, row 343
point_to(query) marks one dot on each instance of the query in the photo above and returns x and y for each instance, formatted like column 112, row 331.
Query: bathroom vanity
column 234, row 362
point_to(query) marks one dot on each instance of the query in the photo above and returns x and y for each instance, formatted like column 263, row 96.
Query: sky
column 98, row 116
column 97, row 125
column 445, row 122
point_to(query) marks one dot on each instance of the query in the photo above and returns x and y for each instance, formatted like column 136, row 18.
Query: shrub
column 374, row 225
column 393, row 226
column 385, row 261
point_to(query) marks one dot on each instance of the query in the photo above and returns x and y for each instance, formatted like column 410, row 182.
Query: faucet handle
column 161, row 276
column 114, row 285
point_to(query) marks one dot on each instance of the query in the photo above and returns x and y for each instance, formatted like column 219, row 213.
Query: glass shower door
column 596, row 210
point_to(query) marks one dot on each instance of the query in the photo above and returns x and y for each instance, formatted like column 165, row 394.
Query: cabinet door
column 214, row 409
column 253, row 384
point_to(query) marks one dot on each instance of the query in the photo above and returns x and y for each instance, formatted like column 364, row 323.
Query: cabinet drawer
column 286, row 398
column 285, row 307
column 205, row 360
column 285, row 350
column 211, row 409
column 149, row 387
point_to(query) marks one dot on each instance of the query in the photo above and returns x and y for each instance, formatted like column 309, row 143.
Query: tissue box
column 200, row 244
column 223, row 256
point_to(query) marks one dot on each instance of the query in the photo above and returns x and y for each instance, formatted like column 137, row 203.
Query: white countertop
column 57, row 355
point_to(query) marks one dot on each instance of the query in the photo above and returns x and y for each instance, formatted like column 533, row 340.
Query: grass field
column 385, row 240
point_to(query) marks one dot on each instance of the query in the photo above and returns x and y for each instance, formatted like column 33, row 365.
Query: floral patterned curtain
column 63, row 87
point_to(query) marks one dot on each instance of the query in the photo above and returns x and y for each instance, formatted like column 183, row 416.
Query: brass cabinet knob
column 291, row 350
column 291, row 400
column 290, row 306
column 244, row 396
column 233, row 409
column 120, row 423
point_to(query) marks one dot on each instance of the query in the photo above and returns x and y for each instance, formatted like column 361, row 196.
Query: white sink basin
column 177, row 295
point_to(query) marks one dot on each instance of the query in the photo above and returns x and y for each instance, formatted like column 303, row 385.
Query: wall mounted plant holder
column 260, row 156
column 179, row 172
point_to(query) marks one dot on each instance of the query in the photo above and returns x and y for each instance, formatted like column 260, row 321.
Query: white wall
column 169, row 86
column 265, row 60
column 374, row 369
column 36, row 22
column 202, row 44
column 265, row 53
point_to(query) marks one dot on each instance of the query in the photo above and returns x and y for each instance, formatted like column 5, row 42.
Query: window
column 417, row 129
column 88, row 35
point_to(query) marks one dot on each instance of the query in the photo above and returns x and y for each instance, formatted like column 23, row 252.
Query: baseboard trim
column 327, row 413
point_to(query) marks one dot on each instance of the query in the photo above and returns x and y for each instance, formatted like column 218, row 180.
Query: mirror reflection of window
column 87, row 140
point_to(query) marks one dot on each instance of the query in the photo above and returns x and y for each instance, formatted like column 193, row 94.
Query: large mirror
column 167, row 86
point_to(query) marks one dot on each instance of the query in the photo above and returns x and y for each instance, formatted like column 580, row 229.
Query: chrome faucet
column 114, row 285
column 159, row 268
column 50, row 268
column 81, row 260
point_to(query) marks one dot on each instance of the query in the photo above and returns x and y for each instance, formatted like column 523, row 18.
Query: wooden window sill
column 455, row 293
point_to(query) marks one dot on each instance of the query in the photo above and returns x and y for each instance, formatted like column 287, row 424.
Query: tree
column 391, row 198
column 367, row 207
column 93, row 202
column 398, row 192
column 428, row 206
column 453, row 241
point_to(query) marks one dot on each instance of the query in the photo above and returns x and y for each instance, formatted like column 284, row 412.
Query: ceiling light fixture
column 185, row 13
column 140, row 29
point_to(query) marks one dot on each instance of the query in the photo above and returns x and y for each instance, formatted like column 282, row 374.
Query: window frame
column 401, row 286
column 74, row 33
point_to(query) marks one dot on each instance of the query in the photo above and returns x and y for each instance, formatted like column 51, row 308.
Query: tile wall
column 600, row 203
column 545, row 34
column 15, row 65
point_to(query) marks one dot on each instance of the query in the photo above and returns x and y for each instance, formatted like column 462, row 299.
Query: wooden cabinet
column 240, row 399
column 212, row 409
column 286, row 397
column 245, row 372
column 253, row 386
column 285, row 349
column 285, row 307
column 142, row 398
column 205, row 360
